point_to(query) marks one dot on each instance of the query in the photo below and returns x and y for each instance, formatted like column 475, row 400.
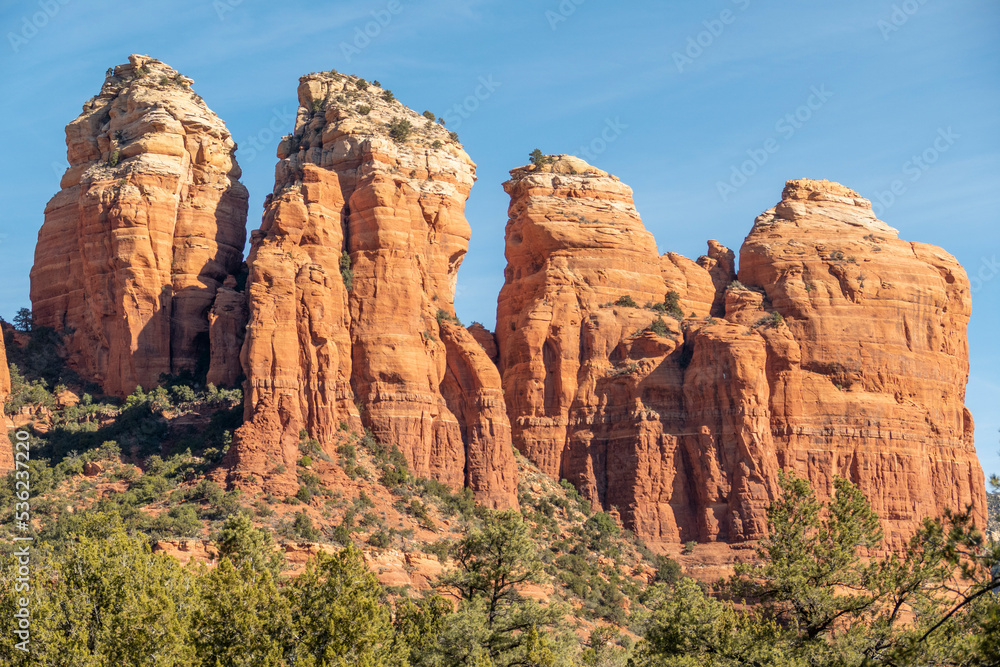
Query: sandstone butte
column 841, row 351
column 351, row 286
column 149, row 223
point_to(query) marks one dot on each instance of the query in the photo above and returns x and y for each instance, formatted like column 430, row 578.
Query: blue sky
column 682, row 92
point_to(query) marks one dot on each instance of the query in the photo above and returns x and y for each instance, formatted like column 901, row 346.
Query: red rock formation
column 592, row 371
column 720, row 262
column 486, row 340
column 351, row 287
column 149, row 223
column 574, row 244
column 868, row 371
column 6, row 450
column 843, row 354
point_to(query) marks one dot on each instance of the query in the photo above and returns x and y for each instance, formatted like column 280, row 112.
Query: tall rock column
column 150, row 221
column 868, row 370
column 593, row 362
column 352, row 282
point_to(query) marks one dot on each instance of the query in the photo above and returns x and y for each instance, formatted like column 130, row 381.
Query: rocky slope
column 351, row 288
column 150, row 221
column 841, row 353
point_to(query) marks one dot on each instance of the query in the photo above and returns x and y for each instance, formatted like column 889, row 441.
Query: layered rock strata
column 351, row 289
column 842, row 352
column 867, row 372
column 149, row 223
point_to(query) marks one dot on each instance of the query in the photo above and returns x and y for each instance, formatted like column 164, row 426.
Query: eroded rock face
column 593, row 368
column 6, row 449
column 868, row 370
column 351, row 288
column 150, row 221
column 841, row 353
column 574, row 243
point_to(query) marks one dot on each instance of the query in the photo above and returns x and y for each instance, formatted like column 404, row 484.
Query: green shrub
column 388, row 96
column 317, row 105
column 364, row 109
column 399, row 129
column 673, row 305
column 668, row 571
column 659, row 327
column 429, row 115
column 771, row 321
column 114, row 158
column 393, row 476
column 183, row 394
column 382, row 538
column 538, row 159
column 599, row 528
column 437, row 144
column 363, row 500
column 303, row 527
column 361, row 84
column 346, row 272
column 689, row 547
column 453, row 136
column 442, row 316
column 24, row 320
column 305, row 461
column 303, row 494
column 626, row 302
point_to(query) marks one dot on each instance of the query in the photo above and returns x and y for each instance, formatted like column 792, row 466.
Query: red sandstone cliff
column 150, row 221
column 351, row 288
column 868, row 371
column 683, row 425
